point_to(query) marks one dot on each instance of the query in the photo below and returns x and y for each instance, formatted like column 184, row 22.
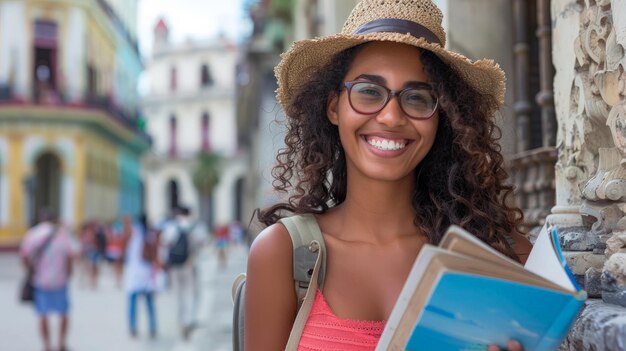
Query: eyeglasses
column 417, row 101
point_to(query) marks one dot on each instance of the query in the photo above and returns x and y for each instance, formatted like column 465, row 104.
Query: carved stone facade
column 589, row 43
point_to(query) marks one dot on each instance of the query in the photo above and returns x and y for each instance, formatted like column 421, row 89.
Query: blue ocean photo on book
column 464, row 295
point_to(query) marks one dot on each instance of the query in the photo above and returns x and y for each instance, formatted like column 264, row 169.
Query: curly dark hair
column 460, row 181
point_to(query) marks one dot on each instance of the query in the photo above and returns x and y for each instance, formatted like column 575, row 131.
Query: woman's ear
column 332, row 108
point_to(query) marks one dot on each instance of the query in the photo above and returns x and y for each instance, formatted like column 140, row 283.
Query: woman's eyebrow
column 372, row 78
column 382, row 81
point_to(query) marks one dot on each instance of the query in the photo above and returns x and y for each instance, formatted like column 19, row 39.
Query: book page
column 544, row 261
column 459, row 240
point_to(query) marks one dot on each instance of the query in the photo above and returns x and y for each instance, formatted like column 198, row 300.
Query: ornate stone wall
column 589, row 41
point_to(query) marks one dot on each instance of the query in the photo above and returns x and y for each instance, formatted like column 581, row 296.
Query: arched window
column 206, row 79
column 239, row 199
column 47, row 185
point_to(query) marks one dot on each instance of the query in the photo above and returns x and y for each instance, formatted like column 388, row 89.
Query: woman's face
column 387, row 145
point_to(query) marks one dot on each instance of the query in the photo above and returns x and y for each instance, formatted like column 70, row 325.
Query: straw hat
column 412, row 22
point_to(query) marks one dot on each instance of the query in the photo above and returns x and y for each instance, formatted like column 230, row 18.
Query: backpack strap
column 304, row 230
column 309, row 267
column 238, row 294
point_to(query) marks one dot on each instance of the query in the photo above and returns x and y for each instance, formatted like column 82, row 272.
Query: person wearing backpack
column 181, row 240
column 390, row 138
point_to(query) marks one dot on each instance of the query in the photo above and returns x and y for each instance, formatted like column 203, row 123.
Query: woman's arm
column 270, row 299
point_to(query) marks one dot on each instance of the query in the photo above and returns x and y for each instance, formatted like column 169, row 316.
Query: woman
column 139, row 275
column 390, row 140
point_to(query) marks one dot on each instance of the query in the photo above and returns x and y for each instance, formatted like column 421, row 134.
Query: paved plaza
column 98, row 319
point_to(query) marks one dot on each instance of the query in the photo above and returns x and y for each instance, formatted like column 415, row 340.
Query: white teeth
column 386, row 144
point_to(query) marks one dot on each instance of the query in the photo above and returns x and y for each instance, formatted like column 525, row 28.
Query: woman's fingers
column 512, row 345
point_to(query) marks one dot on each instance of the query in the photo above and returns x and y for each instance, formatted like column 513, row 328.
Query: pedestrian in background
column 117, row 237
column 222, row 237
column 93, row 245
column 181, row 240
column 139, row 276
column 48, row 249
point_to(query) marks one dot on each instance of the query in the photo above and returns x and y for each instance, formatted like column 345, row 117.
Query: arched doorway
column 173, row 194
column 239, row 200
column 47, row 185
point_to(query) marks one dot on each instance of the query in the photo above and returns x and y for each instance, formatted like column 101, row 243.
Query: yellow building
column 69, row 125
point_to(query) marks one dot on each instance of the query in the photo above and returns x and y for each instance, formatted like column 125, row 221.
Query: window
column 205, row 132
column 173, row 148
column 173, row 194
column 45, row 61
column 92, row 81
column 206, row 77
column 173, row 79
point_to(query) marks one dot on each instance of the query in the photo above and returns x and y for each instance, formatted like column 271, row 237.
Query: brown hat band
column 395, row 25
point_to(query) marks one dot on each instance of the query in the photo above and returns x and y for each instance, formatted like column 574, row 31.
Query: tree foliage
column 206, row 172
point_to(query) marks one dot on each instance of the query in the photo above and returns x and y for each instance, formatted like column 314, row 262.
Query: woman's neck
column 376, row 211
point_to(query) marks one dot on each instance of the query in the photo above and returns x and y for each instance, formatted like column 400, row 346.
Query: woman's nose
column 392, row 114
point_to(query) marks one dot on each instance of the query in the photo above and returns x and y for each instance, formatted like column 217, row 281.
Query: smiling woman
column 390, row 140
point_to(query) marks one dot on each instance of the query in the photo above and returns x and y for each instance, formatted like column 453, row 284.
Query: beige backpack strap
column 309, row 267
column 238, row 295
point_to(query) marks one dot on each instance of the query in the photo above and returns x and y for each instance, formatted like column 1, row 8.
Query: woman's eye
column 370, row 91
column 417, row 98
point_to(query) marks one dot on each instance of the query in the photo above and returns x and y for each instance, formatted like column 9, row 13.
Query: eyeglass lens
column 369, row 98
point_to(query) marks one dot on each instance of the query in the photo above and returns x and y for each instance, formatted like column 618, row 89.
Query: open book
column 464, row 295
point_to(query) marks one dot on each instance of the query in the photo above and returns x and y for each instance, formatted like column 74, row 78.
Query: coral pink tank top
column 324, row 331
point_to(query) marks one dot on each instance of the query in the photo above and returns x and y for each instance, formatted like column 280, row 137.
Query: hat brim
column 300, row 62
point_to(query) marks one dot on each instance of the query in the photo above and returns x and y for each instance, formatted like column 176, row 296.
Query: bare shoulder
column 270, row 300
column 271, row 250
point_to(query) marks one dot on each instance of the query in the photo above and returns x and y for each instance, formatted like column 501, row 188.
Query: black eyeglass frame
column 391, row 93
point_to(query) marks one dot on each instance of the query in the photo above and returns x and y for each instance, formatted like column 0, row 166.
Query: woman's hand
column 512, row 345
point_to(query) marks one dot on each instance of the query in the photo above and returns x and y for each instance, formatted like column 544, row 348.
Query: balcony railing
column 532, row 174
column 52, row 98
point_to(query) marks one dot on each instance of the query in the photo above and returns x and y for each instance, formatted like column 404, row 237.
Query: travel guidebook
column 464, row 295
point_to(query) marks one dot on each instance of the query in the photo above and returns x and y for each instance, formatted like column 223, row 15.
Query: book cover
column 463, row 295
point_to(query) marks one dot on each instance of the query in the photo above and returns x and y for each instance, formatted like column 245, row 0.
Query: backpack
column 309, row 269
column 179, row 252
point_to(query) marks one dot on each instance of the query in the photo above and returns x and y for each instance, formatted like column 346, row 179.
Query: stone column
column 545, row 98
column 523, row 106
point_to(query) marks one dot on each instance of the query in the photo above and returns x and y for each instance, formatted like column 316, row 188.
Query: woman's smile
column 386, row 146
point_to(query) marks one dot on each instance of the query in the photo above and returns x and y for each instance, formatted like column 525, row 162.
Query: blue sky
column 189, row 19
